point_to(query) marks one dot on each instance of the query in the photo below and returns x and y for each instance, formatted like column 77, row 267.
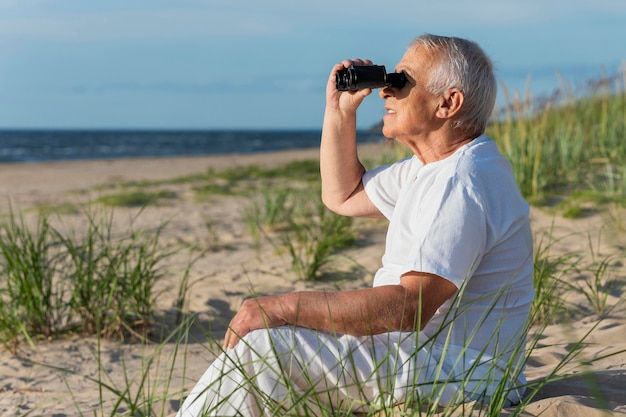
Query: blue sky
column 247, row 64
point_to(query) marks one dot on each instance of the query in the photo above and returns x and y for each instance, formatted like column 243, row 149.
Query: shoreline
column 13, row 174
column 21, row 176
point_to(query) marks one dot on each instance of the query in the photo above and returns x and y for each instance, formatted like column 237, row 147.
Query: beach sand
column 57, row 378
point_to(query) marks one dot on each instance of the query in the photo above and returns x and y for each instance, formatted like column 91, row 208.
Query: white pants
column 297, row 371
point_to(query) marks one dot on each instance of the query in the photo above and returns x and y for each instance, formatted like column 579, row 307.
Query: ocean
column 28, row 146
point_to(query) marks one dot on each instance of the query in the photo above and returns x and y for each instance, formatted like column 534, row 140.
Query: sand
column 57, row 378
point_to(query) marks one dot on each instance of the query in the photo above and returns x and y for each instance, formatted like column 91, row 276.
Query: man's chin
column 387, row 131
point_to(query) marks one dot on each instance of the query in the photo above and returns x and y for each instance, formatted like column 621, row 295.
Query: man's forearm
column 340, row 168
column 358, row 313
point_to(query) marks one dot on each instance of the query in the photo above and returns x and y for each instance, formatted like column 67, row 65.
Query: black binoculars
column 358, row 77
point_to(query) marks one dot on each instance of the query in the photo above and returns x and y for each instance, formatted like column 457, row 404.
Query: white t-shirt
column 461, row 218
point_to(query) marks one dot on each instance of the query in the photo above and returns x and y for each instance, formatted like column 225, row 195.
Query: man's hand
column 345, row 100
column 254, row 313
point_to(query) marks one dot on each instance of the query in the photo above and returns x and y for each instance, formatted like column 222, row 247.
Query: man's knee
column 256, row 340
column 262, row 342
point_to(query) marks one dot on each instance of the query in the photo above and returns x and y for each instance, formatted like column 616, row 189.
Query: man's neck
column 438, row 147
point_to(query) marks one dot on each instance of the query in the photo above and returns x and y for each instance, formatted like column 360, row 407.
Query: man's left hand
column 254, row 313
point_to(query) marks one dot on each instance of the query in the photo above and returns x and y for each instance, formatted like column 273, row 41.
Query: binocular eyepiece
column 358, row 77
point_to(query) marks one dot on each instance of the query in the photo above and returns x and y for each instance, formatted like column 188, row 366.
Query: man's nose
column 386, row 92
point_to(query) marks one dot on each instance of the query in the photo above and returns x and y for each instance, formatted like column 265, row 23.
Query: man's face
column 410, row 111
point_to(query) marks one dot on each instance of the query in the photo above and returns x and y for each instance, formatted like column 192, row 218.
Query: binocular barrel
column 358, row 77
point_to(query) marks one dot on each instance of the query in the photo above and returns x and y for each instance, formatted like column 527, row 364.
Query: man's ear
column 450, row 103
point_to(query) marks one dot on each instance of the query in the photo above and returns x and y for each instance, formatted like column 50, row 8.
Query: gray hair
column 464, row 65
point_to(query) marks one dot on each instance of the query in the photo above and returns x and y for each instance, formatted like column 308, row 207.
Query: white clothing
column 461, row 218
column 324, row 373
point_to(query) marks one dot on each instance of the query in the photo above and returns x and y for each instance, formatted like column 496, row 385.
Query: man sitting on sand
column 445, row 321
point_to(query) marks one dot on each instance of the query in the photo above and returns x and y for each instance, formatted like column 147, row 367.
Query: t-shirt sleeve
column 452, row 234
column 383, row 184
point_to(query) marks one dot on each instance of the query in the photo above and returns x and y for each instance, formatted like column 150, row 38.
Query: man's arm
column 340, row 168
column 407, row 306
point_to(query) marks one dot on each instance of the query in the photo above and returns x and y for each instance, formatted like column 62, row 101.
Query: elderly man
column 445, row 320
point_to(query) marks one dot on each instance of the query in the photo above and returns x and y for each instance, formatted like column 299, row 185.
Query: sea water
column 25, row 146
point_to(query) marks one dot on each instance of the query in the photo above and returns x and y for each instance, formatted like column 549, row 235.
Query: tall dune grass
column 54, row 282
column 295, row 221
column 567, row 143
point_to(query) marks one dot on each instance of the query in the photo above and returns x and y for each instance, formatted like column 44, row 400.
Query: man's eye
column 407, row 79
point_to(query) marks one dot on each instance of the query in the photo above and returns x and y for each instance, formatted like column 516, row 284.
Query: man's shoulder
column 483, row 155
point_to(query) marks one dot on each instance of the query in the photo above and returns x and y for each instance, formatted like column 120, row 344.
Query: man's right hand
column 345, row 101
